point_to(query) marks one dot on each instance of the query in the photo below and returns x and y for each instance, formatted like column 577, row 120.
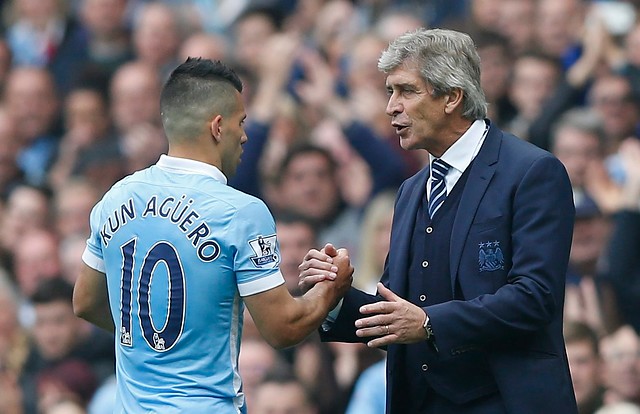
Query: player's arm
column 284, row 320
column 90, row 298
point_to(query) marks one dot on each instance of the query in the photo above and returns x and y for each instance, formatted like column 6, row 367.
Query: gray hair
column 447, row 60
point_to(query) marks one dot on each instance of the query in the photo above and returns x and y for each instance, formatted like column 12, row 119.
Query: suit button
column 425, row 263
column 425, row 367
column 429, row 229
column 423, row 298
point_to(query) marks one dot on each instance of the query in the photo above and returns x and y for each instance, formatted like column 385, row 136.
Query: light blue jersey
column 180, row 248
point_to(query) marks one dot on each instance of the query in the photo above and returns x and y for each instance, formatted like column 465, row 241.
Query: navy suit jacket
column 519, row 196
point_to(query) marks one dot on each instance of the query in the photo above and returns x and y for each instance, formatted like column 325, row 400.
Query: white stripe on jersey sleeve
column 93, row 261
column 260, row 285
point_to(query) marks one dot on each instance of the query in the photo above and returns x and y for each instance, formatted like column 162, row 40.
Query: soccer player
column 175, row 254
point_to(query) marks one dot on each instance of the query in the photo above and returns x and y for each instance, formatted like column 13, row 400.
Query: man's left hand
column 394, row 321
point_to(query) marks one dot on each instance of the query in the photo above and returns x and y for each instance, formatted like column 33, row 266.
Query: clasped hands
column 391, row 320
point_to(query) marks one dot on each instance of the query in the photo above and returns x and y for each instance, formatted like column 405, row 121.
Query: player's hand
column 316, row 267
column 344, row 277
column 394, row 321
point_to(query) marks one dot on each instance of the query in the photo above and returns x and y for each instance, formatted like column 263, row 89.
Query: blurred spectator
column 585, row 365
column 43, row 34
column 107, row 35
column 396, row 22
column 374, row 241
column 256, row 359
column 205, row 45
column 496, row 64
column 619, row 408
column 72, row 204
column 60, row 337
column 6, row 61
column 308, row 186
column 250, row 30
column 269, row 128
column 482, row 15
column 517, row 23
column 534, row 78
column 611, row 97
column 65, row 407
column 87, row 125
column 329, row 370
column 631, row 67
column 141, row 146
column 559, row 24
column 622, row 253
column 296, row 236
column 620, row 353
column 573, row 86
column 156, row 37
column 578, row 141
column 369, row 393
column 335, row 27
column 10, row 173
column 292, row 396
column 135, row 96
column 590, row 298
column 31, row 100
column 69, row 381
column 27, row 208
column 71, row 249
column 35, row 259
column 104, row 399
column 13, row 349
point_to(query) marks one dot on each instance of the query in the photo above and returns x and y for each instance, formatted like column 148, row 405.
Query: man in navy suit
column 470, row 303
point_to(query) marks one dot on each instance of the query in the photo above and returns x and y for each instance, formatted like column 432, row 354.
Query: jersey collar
column 186, row 165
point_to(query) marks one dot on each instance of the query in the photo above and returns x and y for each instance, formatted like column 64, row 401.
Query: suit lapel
column 482, row 170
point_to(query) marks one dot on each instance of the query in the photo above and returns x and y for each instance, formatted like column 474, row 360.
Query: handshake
column 328, row 266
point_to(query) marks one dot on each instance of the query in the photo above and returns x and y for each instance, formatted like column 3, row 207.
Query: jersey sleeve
column 92, row 255
column 257, row 257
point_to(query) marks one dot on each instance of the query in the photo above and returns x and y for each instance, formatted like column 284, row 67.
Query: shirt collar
column 185, row 165
column 461, row 153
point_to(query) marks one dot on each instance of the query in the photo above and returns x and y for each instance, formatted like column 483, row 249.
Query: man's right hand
column 328, row 263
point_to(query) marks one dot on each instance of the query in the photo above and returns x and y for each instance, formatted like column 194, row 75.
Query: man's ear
column 453, row 100
column 216, row 128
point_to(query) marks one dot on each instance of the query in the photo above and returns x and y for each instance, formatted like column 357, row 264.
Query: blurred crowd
column 80, row 83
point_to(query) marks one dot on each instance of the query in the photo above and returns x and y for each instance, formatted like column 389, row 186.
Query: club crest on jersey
column 265, row 249
column 490, row 256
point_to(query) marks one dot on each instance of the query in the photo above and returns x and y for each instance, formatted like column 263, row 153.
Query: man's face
column 612, row 99
column 233, row 136
column 416, row 115
column 621, row 357
column 309, row 186
column 290, row 400
column 31, row 101
column 577, row 150
column 585, row 370
column 56, row 329
column 295, row 240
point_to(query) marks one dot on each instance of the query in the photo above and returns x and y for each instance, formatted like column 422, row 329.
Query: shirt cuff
column 331, row 317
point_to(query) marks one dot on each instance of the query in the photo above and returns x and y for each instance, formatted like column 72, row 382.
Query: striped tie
column 438, row 191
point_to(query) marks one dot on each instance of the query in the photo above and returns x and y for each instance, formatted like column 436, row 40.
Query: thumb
column 330, row 250
column 387, row 293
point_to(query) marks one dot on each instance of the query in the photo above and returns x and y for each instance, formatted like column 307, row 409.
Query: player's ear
column 215, row 127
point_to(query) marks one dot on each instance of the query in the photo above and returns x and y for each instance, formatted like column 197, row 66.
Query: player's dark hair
column 53, row 290
column 194, row 91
